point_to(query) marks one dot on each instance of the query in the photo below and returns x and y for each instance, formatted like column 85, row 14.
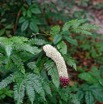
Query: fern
column 5, row 82
column 17, row 39
column 55, row 30
column 46, row 87
column 36, row 41
column 30, row 92
column 36, row 84
column 34, row 67
column 79, row 26
column 21, row 58
column 18, row 44
column 30, row 82
column 19, row 90
column 15, row 49
column 26, row 47
column 52, row 71
column 18, row 63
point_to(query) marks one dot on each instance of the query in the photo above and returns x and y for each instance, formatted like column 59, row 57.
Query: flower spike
column 54, row 54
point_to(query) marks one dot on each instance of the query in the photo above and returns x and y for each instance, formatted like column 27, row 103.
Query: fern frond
column 79, row 26
column 3, row 40
column 8, row 49
column 36, row 41
column 46, row 87
column 18, row 63
column 55, row 30
column 26, row 47
column 30, row 91
column 36, row 84
column 19, row 92
column 5, row 82
column 33, row 66
column 52, row 71
column 85, row 29
column 18, row 39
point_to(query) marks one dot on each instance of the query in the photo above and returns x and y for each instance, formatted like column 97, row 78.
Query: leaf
column 57, row 39
column 101, row 81
column 8, row 49
column 30, row 91
column 24, row 26
column 29, row 2
column 2, row 31
column 80, row 95
column 95, row 72
column 35, row 10
column 4, row 83
column 55, row 30
column 75, row 100
column 66, row 26
column 19, row 90
column 89, row 98
column 52, row 71
column 33, row 67
column 47, row 87
column 34, row 27
column 3, row 20
column 35, row 20
column 29, row 14
column 36, row 84
column 22, row 19
column 62, row 47
column 97, row 91
column 54, row 75
column 87, row 77
column 65, row 94
column 24, row 11
column 18, row 63
column 37, row 41
column 28, row 48
column 70, row 40
column 8, row 26
column 70, row 61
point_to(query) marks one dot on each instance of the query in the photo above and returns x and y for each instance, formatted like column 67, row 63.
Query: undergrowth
column 27, row 76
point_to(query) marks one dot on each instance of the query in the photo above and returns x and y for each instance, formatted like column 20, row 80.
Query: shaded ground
column 93, row 9
column 94, row 12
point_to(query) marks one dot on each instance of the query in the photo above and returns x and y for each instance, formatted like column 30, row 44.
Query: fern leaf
column 33, row 66
column 18, row 39
column 79, row 26
column 19, row 90
column 36, row 84
column 8, row 49
column 26, row 47
column 55, row 30
column 46, row 87
column 36, row 41
column 6, row 81
column 18, row 62
column 69, row 60
column 30, row 91
column 52, row 71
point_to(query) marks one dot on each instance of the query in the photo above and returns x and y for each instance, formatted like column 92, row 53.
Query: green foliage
column 22, row 58
column 79, row 27
column 5, row 92
column 90, row 93
column 94, row 91
column 27, row 75
column 52, row 71
column 94, row 76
